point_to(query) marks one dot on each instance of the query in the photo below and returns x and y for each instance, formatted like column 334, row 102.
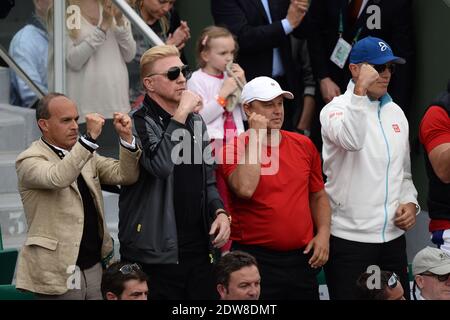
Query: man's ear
column 354, row 69
column 43, row 125
column 247, row 109
column 111, row 296
column 419, row 281
column 222, row 291
column 148, row 84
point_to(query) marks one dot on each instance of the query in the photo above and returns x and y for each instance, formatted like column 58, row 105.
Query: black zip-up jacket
column 147, row 226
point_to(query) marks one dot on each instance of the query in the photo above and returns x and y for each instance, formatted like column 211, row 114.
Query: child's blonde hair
column 204, row 41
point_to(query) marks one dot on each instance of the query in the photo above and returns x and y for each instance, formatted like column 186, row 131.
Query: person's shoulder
column 196, row 75
column 28, row 31
column 394, row 107
column 436, row 112
column 434, row 117
column 37, row 148
column 294, row 137
column 196, row 117
column 338, row 101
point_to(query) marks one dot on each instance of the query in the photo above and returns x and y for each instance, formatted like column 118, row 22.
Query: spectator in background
column 221, row 91
column 330, row 20
column 163, row 19
column 389, row 288
column 238, row 276
column 97, row 76
column 262, row 28
column 308, row 85
column 367, row 164
column 431, row 269
column 29, row 48
column 435, row 136
column 124, row 281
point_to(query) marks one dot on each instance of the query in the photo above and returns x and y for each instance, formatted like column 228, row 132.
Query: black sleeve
column 214, row 201
column 156, row 151
column 231, row 14
column 402, row 44
column 317, row 30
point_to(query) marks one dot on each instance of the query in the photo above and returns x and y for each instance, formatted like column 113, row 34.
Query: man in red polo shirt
column 281, row 213
column 435, row 136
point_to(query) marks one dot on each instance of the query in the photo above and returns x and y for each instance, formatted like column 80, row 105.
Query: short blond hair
column 153, row 54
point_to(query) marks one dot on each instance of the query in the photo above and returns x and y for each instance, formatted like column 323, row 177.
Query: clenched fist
column 94, row 124
column 122, row 124
column 367, row 77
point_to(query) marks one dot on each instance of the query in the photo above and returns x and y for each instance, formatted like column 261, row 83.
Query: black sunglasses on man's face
column 381, row 67
column 174, row 72
column 440, row 277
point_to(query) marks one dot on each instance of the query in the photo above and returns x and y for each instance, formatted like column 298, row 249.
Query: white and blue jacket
column 367, row 164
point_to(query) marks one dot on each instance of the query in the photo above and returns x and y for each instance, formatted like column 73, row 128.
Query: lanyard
column 341, row 29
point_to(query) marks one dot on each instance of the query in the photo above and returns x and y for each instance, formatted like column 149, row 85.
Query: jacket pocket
column 44, row 242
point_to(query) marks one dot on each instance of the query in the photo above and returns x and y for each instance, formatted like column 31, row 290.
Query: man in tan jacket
column 60, row 178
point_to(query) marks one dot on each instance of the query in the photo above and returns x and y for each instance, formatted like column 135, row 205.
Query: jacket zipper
column 387, row 175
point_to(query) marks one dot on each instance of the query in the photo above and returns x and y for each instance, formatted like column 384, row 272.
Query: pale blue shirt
column 277, row 65
column 29, row 48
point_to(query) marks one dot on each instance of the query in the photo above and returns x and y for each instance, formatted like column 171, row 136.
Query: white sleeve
column 79, row 54
column 344, row 124
column 126, row 42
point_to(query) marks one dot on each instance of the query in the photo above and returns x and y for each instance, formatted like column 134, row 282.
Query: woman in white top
column 97, row 52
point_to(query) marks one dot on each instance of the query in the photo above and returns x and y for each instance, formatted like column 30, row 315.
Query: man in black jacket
column 262, row 28
column 165, row 218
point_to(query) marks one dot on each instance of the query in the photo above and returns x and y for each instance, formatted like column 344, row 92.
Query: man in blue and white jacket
column 368, row 169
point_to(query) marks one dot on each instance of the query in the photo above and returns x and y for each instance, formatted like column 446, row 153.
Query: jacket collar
column 158, row 114
column 59, row 151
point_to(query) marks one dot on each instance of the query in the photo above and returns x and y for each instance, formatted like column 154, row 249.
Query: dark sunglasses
column 174, row 72
column 129, row 268
column 440, row 277
column 381, row 67
column 393, row 279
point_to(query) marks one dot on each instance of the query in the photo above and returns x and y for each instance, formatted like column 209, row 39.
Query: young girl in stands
column 219, row 82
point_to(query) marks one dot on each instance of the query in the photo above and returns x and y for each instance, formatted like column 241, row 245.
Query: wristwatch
column 417, row 208
column 221, row 211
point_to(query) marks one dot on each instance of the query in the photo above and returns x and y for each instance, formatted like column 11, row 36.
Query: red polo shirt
column 278, row 215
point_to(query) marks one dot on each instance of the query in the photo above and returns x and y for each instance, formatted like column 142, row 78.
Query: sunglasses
column 129, row 268
column 440, row 277
column 174, row 72
column 381, row 67
column 393, row 279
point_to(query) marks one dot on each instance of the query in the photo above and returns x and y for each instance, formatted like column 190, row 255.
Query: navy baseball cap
column 374, row 51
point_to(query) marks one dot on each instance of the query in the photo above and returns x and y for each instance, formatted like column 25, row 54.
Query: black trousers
column 191, row 279
column 348, row 259
column 285, row 275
